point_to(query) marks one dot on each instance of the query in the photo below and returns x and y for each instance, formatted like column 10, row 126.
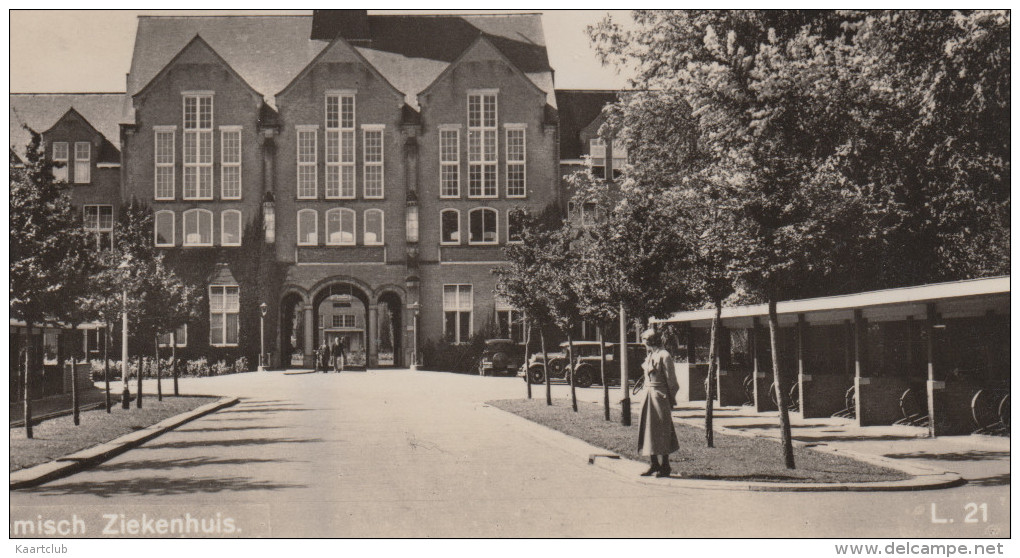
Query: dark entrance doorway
column 340, row 311
column 391, row 330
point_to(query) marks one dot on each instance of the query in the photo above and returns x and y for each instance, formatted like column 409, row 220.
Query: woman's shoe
column 663, row 472
column 651, row 471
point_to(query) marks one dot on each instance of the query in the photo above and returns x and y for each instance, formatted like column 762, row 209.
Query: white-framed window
column 224, row 308
column 230, row 162
column 82, row 162
column 516, row 161
column 457, row 312
column 589, row 213
column 482, row 144
column 374, row 235
column 449, row 162
column 198, row 146
column 163, row 224
column 180, row 339
column 307, row 162
column 597, row 156
column 308, row 227
column 230, row 228
column 165, row 158
column 483, row 226
column 198, row 227
column 341, row 224
column 514, row 226
column 373, row 142
column 99, row 222
column 61, row 158
column 449, row 223
column 340, row 181
column 619, row 158
column 508, row 321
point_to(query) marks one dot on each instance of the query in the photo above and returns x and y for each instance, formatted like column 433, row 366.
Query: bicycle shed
column 932, row 355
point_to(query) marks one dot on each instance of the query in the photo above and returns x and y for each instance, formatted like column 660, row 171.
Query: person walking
column 323, row 360
column 656, row 435
column 338, row 355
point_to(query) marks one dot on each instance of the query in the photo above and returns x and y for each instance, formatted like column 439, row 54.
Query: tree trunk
column 784, row 411
column 75, row 404
column 29, row 354
column 141, row 372
column 527, row 346
column 173, row 360
column 713, row 371
column 106, row 366
column 60, row 358
column 624, row 371
column 159, row 373
column 602, row 366
column 570, row 370
column 545, row 367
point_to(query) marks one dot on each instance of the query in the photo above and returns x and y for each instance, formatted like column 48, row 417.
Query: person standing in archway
column 339, row 354
column 323, row 357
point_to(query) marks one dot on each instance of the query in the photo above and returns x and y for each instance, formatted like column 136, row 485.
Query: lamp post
column 125, row 396
column 263, row 309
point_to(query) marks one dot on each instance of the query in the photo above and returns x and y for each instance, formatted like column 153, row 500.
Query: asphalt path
column 396, row 453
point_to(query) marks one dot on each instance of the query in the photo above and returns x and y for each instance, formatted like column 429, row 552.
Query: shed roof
column 40, row 111
column 408, row 50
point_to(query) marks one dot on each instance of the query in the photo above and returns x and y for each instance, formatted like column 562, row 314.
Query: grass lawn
column 732, row 458
column 59, row 436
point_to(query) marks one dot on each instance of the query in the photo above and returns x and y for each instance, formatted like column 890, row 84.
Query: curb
column 79, row 461
column 922, row 478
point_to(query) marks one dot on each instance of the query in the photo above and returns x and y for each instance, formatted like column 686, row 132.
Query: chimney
column 352, row 25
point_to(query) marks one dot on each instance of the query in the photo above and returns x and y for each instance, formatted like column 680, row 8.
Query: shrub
column 198, row 367
column 221, row 368
column 241, row 365
column 461, row 358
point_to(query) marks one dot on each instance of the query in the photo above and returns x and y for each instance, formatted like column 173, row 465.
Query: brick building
column 378, row 162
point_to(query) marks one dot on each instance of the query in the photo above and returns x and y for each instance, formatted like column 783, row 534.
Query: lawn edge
column 922, row 478
column 89, row 457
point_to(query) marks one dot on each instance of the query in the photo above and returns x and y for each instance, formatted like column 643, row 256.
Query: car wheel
column 536, row 374
column 585, row 377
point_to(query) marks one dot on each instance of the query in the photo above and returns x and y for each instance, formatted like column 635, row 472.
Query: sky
column 91, row 51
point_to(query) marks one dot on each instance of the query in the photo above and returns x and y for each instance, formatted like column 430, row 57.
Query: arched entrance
column 292, row 325
column 391, row 330
column 340, row 310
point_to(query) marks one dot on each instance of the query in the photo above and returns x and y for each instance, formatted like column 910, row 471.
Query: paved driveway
column 400, row 453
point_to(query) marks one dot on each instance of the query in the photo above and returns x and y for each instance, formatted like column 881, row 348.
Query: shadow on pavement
column 230, row 443
column 997, row 480
column 263, row 410
column 229, row 428
column 159, row 486
column 973, row 455
column 166, row 464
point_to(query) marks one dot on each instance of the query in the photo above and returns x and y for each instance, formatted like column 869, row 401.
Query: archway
column 391, row 330
column 340, row 311
column 292, row 324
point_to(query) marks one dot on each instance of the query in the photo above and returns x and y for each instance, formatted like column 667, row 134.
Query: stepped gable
column 268, row 52
column 40, row 111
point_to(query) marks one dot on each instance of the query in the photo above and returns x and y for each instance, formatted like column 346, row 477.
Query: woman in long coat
column 657, row 436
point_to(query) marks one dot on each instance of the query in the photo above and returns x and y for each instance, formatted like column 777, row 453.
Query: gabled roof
column 339, row 43
column 40, row 111
column 197, row 42
column 410, row 51
column 577, row 109
column 482, row 43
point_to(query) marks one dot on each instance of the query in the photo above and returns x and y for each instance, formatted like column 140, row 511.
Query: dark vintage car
column 500, row 357
column 589, row 371
column 558, row 360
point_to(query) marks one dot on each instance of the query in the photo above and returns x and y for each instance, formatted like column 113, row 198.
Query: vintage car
column 500, row 356
column 588, row 367
column 558, row 361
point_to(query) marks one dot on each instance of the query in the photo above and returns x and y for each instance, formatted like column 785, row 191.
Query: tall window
column 457, row 305
column 482, row 148
column 198, row 149
column 307, row 148
column 224, row 307
column 449, row 162
column 308, row 227
column 198, row 227
column 516, row 186
column 597, row 151
column 514, row 225
column 373, row 161
column 619, row 158
column 165, row 159
column 373, row 227
column 340, row 146
column 164, row 225
column 82, row 162
column 61, row 158
column 340, row 226
column 450, row 225
column 180, row 339
column 230, row 228
column 230, row 162
column 99, row 222
column 508, row 321
column 483, row 226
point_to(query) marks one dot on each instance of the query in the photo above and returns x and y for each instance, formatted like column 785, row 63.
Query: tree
column 558, row 265
column 48, row 250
